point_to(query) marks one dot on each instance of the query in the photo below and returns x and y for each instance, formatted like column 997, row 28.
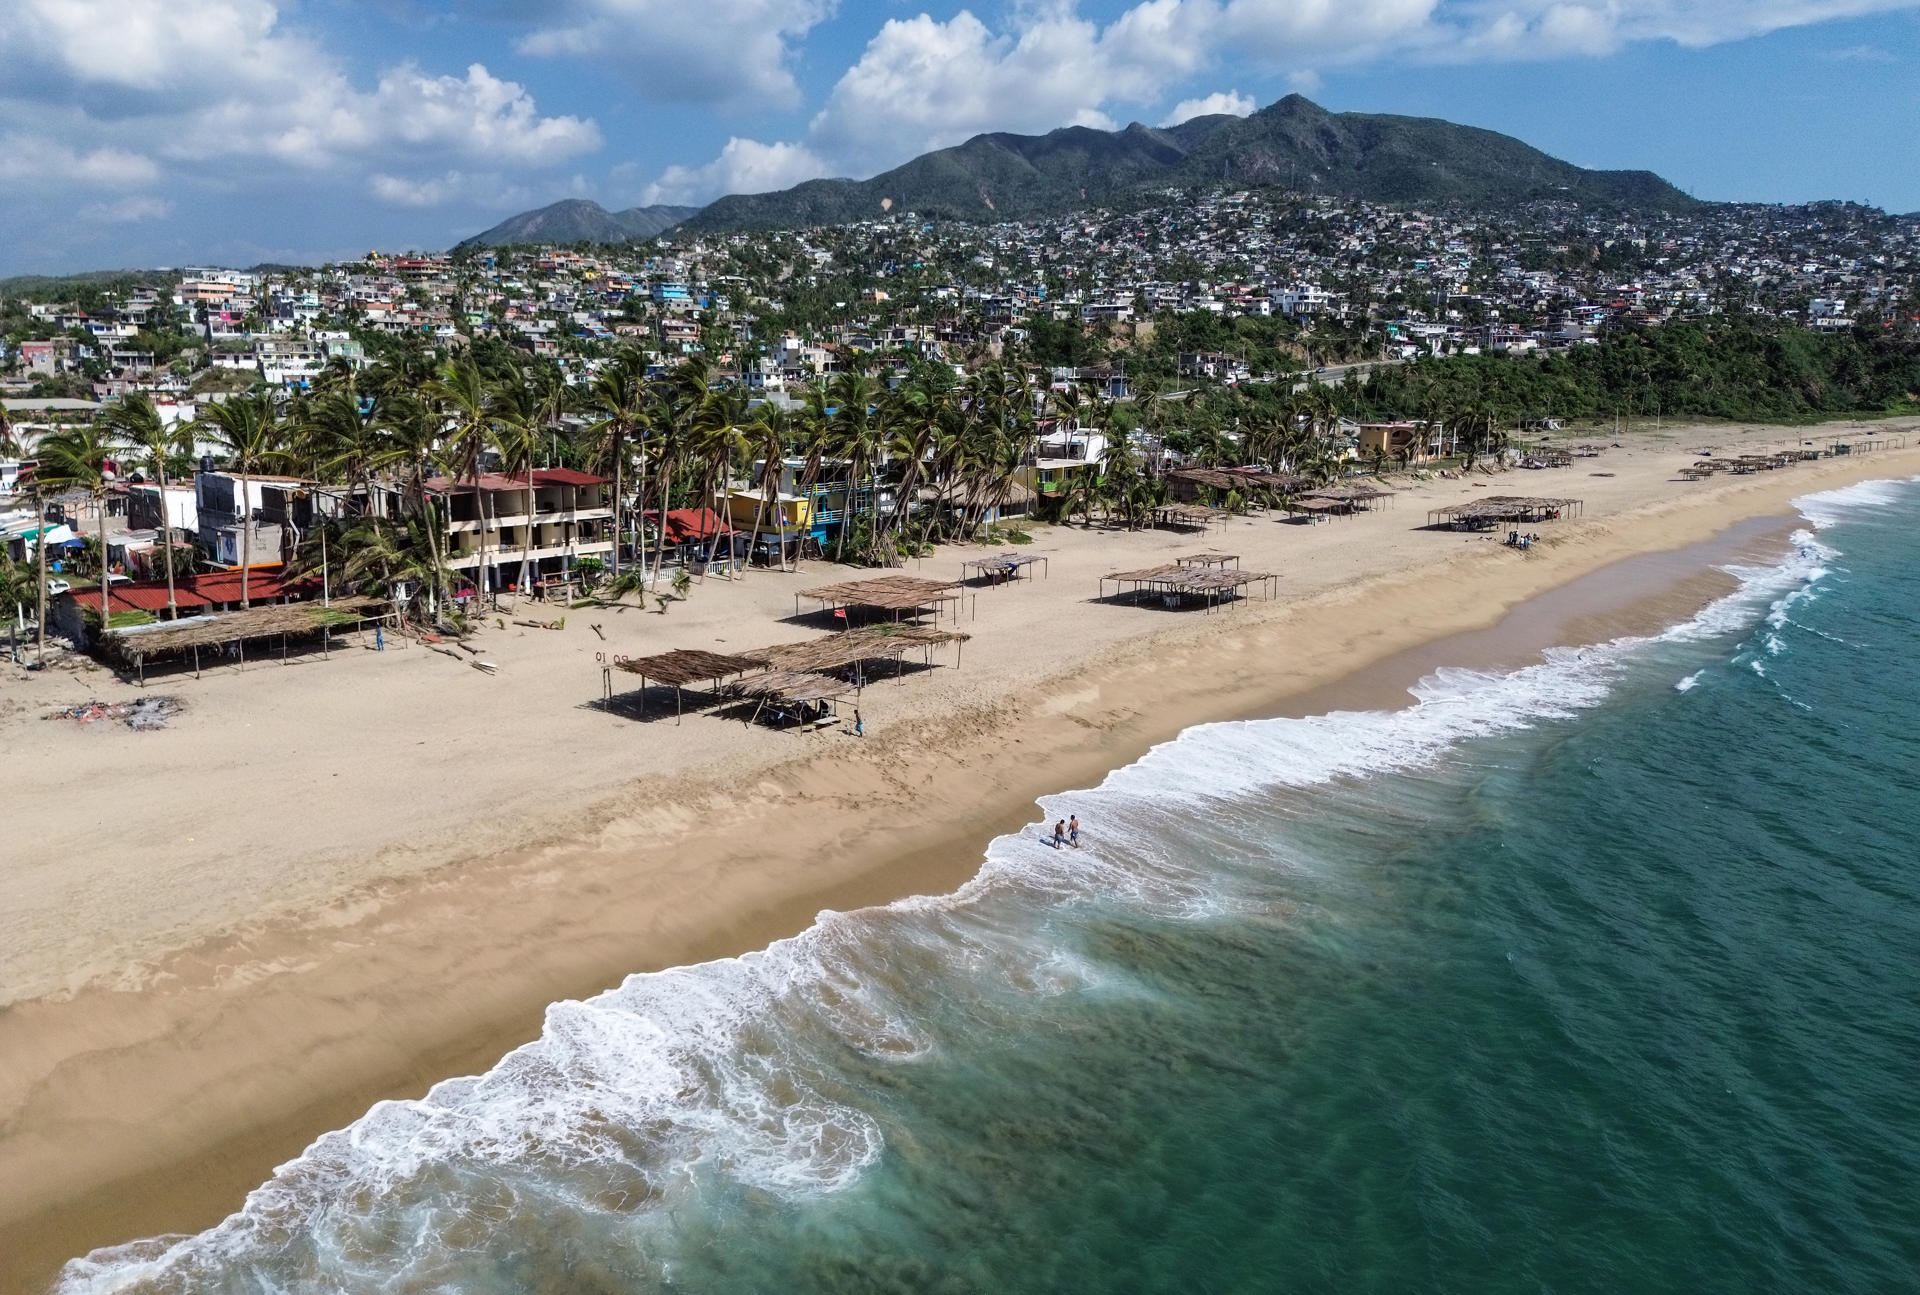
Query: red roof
column 143, row 597
column 685, row 525
column 518, row 480
column 224, row 586
column 195, row 591
column 568, row 477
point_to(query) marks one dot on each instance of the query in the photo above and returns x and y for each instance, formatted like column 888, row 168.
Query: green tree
column 77, row 459
column 133, row 421
column 249, row 434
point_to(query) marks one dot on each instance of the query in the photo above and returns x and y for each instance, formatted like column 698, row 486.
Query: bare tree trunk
column 100, row 511
column 713, row 545
column 246, row 536
column 40, row 625
column 166, row 536
column 759, row 513
column 666, row 489
column 526, row 539
column 619, row 532
column 480, row 511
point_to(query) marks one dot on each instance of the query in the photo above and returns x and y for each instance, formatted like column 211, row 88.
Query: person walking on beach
column 1059, row 834
column 1073, row 831
column 859, row 725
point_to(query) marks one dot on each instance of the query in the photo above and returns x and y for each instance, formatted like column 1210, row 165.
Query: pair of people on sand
column 1067, row 832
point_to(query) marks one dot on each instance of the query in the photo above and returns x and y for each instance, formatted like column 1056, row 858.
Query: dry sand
column 336, row 881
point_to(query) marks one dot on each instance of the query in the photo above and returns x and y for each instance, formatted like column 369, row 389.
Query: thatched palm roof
column 888, row 593
column 684, row 666
column 868, row 643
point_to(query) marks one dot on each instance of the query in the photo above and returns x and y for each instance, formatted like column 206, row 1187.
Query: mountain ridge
column 579, row 220
column 1292, row 143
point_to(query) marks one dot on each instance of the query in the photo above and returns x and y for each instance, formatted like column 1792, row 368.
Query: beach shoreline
column 150, row 1105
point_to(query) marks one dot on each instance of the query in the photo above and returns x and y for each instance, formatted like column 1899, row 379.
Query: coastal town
column 1353, row 281
column 1075, row 363
column 1034, row 648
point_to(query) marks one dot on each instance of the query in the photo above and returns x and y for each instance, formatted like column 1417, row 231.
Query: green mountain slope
column 577, row 220
column 1293, row 143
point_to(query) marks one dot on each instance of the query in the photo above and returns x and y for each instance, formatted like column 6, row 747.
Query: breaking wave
column 754, row 1073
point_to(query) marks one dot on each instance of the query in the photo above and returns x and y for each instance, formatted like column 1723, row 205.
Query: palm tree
column 383, row 555
column 248, row 432
column 718, row 438
column 412, row 432
column 343, row 443
column 16, row 587
column 78, row 458
column 767, row 436
column 921, row 408
column 619, row 395
column 857, row 438
column 520, row 429
column 465, row 399
column 134, row 422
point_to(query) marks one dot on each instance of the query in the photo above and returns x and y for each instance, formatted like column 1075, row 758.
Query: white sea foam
column 1689, row 683
column 719, row 1067
column 1828, row 507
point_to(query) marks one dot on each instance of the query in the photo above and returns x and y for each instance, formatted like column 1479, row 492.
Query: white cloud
column 488, row 189
column 127, row 211
column 33, row 161
column 733, row 52
column 1494, row 29
column 1858, row 54
column 1227, row 101
column 744, row 166
column 152, row 45
column 218, row 80
column 922, row 83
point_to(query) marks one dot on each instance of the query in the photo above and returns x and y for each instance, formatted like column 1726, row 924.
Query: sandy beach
column 336, row 881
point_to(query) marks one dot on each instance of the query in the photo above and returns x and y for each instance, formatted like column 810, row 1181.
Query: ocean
column 1602, row 974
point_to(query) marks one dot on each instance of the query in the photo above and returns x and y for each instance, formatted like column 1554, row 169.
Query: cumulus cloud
column 218, row 80
column 1495, row 29
column 923, row 83
column 744, row 166
column 31, row 160
column 127, row 211
column 1231, row 102
column 716, row 52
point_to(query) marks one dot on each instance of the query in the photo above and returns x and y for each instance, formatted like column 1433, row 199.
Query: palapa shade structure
column 1341, row 500
column 868, row 643
column 786, row 688
column 1174, row 582
column 1209, row 560
column 895, row 594
column 1496, row 510
column 1188, row 516
column 1000, row 568
column 678, row 669
column 1187, row 483
column 281, row 621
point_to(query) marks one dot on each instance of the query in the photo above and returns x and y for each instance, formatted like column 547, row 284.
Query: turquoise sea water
column 1602, row 975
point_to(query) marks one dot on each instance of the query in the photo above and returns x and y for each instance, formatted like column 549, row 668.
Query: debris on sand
column 143, row 713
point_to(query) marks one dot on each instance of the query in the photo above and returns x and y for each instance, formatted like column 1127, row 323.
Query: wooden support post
column 196, row 660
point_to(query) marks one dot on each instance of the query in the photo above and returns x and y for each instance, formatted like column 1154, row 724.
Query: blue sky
column 150, row 132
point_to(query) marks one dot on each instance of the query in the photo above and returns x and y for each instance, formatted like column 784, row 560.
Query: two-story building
column 525, row 541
